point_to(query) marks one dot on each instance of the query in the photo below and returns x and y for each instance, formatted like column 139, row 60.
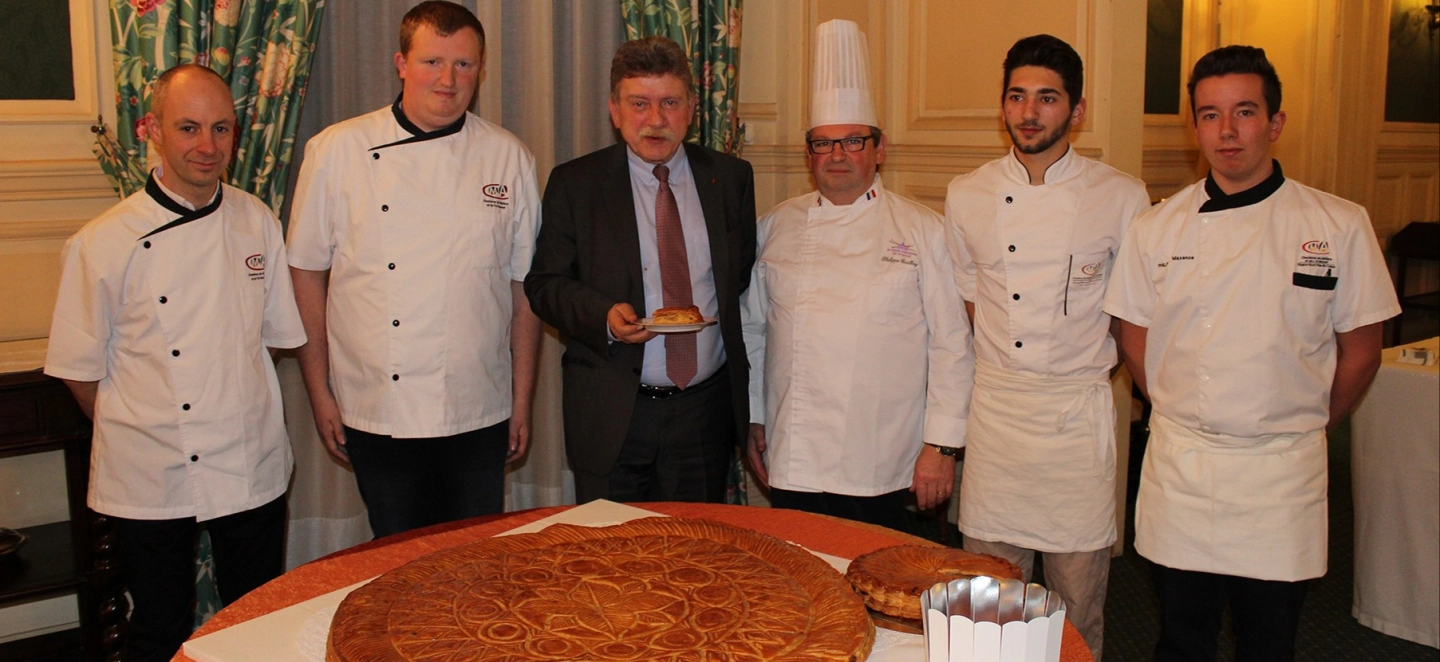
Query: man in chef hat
column 859, row 346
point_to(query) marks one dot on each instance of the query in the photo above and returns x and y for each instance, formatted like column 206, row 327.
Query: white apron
column 1039, row 467
column 1247, row 507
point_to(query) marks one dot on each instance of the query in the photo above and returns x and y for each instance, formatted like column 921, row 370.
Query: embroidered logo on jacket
column 496, row 196
column 1315, row 269
column 255, row 264
column 1087, row 275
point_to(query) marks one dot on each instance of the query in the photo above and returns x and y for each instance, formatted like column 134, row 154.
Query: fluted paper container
column 984, row 619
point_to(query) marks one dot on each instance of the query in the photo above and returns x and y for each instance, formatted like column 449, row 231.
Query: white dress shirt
column 170, row 309
column 422, row 234
column 709, row 350
column 859, row 346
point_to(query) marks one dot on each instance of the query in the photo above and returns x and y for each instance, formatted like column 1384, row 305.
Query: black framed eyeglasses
column 851, row 144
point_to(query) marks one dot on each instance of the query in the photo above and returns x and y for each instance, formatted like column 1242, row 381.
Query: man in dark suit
column 627, row 230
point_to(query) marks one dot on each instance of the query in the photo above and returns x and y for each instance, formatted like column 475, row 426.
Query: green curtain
column 262, row 47
column 709, row 30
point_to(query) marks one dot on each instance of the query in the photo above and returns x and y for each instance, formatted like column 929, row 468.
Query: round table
column 833, row 536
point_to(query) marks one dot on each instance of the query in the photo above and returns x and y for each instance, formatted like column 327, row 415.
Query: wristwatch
column 945, row 450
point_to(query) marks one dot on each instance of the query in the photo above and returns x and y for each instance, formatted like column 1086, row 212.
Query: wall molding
column 759, row 112
column 776, row 159
column 38, row 176
column 1166, row 170
column 1407, row 154
column 50, row 198
column 935, row 159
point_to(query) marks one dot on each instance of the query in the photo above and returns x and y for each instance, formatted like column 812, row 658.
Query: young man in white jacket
column 1035, row 233
column 1252, row 309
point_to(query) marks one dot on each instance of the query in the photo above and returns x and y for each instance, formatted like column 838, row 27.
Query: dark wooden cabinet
column 37, row 414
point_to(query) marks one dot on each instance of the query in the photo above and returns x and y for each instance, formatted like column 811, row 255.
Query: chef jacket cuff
column 944, row 431
column 1127, row 314
column 74, row 375
column 291, row 341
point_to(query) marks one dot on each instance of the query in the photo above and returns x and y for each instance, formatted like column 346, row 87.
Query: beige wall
column 50, row 185
column 49, row 182
column 1331, row 57
column 936, row 67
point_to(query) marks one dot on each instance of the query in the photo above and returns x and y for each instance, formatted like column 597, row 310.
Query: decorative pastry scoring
column 658, row 588
column 687, row 315
column 892, row 579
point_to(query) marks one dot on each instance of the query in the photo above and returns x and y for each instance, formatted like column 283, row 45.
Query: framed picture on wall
column 48, row 61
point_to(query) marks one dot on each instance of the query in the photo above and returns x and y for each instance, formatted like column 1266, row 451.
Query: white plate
column 650, row 324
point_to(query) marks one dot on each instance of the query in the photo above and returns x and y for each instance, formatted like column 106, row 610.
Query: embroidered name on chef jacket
column 1315, row 268
column 900, row 252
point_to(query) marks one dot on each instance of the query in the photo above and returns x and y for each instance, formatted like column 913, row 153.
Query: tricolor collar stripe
column 152, row 189
column 418, row 134
column 1220, row 201
column 872, row 194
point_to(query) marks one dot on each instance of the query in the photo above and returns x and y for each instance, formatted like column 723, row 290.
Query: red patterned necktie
column 674, row 279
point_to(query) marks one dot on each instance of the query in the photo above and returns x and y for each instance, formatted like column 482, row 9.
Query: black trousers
column 1265, row 616
column 887, row 510
column 411, row 483
column 678, row 448
column 157, row 562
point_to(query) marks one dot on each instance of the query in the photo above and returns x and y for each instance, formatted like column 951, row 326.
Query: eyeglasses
column 852, row 144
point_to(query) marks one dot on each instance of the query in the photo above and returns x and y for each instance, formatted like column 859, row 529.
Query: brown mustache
column 658, row 133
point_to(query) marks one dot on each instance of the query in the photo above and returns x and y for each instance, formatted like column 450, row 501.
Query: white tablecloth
column 1396, row 464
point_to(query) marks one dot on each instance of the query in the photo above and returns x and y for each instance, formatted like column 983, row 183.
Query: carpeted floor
column 1327, row 630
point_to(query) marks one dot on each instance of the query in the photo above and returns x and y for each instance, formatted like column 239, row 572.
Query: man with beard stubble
column 1035, row 234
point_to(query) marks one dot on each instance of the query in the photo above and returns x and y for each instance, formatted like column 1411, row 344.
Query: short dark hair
column 161, row 88
column 650, row 57
column 445, row 18
column 1238, row 60
column 1043, row 50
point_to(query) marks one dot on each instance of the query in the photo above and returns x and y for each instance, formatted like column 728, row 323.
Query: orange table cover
column 840, row 538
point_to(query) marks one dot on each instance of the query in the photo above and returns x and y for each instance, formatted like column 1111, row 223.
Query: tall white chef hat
column 840, row 79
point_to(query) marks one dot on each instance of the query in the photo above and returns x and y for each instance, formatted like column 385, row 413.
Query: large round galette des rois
column 654, row 589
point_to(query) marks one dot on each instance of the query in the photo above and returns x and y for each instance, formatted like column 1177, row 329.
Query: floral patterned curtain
column 263, row 47
column 709, row 30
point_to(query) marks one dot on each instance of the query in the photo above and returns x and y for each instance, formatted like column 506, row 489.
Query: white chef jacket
column 1035, row 260
column 1243, row 295
column 1243, row 303
column 858, row 342
column 1040, row 469
column 170, row 309
column 422, row 234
